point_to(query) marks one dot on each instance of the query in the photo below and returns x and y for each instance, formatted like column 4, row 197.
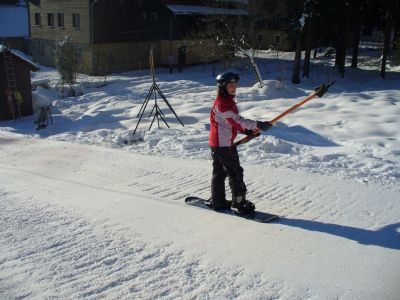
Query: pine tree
column 66, row 61
column 396, row 36
column 398, row 50
column 311, row 13
column 295, row 27
column 357, row 9
column 386, row 42
column 297, row 61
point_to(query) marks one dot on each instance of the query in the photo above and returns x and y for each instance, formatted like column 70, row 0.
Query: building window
column 277, row 17
column 76, row 21
column 277, row 39
column 38, row 20
column 50, row 19
column 154, row 16
column 60, row 20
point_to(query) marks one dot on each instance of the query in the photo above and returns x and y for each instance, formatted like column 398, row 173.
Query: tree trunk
column 386, row 43
column 297, row 61
column 340, row 58
column 396, row 26
column 356, row 41
column 307, row 54
column 306, row 63
column 341, row 50
column 254, row 64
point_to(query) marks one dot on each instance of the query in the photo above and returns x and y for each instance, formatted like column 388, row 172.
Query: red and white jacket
column 226, row 122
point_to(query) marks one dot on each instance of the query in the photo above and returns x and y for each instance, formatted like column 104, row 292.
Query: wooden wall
column 194, row 52
column 68, row 7
column 23, row 77
column 125, row 56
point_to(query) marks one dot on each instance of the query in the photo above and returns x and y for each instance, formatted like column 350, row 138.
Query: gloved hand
column 264, row 125
column 248, row 132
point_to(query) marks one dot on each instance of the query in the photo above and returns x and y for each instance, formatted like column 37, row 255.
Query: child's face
column 231, row 88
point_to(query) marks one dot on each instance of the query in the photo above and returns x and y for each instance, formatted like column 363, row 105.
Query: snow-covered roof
column 21, row 57
column 203, row 10
column 13, row 21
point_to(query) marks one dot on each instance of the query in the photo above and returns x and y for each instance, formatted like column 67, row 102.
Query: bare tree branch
column 222, row 36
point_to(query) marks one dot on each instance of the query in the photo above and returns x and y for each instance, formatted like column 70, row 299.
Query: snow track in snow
column 81, row 221
column 50, row 252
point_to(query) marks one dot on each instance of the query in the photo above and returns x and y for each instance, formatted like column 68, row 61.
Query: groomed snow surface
column 85, row 216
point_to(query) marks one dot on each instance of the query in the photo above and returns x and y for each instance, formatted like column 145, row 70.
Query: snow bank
column 351, row 132
column 272, row 89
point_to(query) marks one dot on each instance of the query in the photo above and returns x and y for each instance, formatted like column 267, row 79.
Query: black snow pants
column 226, row 163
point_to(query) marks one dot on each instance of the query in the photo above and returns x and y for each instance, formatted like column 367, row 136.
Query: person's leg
column 217, row 181
column 235, row 173
column 231, row 163
column 229, row 159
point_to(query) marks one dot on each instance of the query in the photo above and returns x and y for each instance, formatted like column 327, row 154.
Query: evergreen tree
column 386, row 42
column 310, row 32
column 339, row 24
column 297, row 61
column 356, row 11
column 398, row 50
column 66, row 61
column 395, row 12
column 295, row 32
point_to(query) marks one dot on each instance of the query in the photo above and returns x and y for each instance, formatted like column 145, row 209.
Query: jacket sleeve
column 235, row 120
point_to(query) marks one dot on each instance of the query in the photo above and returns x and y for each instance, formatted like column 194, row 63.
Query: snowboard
column 256, row 216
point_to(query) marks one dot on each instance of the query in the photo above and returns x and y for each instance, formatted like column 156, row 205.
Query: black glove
column 248, row 132
column 264, row 125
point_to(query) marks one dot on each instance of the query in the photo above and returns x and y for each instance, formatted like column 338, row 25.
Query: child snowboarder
column 225, row 123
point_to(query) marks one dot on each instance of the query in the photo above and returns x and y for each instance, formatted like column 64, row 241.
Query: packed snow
column 89, row 210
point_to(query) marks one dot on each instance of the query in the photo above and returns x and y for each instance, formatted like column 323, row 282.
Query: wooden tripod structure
column 154, row 90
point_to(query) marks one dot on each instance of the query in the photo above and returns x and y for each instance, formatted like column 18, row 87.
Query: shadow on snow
column 300, row 135
column 386, row 237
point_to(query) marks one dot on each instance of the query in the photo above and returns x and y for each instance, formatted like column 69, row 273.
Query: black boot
column 242, row 205
column 222, row 204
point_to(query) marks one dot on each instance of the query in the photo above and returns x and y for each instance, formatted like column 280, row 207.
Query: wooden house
column 15, row 85
column 270, row 25
column 121, row 32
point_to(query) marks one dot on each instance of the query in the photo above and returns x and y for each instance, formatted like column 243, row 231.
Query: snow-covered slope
column 90, row 222
column 351, row 132
column 85, row 216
